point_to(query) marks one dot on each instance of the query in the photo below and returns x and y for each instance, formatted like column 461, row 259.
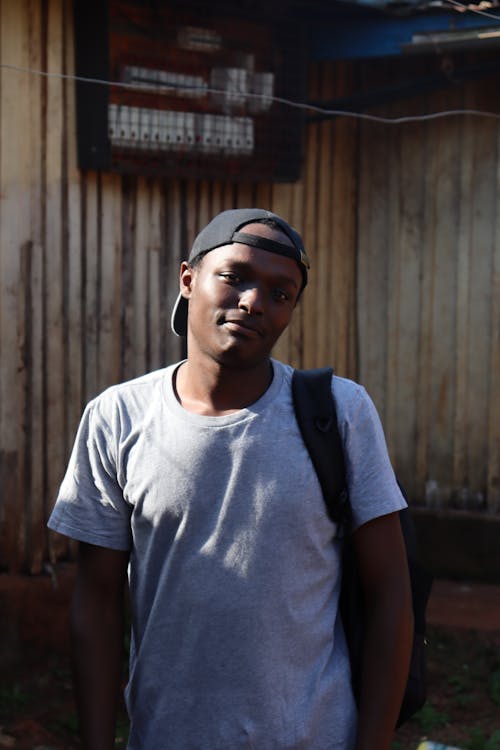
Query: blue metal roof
column 385, row 35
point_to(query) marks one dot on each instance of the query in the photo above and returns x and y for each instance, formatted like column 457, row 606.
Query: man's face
column 241, row 299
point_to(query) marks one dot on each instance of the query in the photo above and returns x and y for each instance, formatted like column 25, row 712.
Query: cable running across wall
column 287, row 102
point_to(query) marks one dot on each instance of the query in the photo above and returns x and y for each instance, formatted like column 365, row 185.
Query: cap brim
column 178, row 321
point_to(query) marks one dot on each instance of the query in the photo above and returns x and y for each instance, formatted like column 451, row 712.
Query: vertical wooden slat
column 191, row 212
column 129, row 219
column 483, row 207
column 75, row 255
column 493, row 471
column 245, row 194
column 108, row 354
column 324, row 302
column 140, row 279
column 175, row 251
column 204, row 213
column 341, row 245
column 216, row 198
column 154, row 278
column 372, row 259
column 13, row 210
column 21, row 308
column 408, row 159
column 427, row 298
column 297, row 326
column 74, row 331
column 37, row 498
column 55, row 265
column 393, row 303
column 310, row 227
column 90, row 286
column 447, row 137
column 462, row 327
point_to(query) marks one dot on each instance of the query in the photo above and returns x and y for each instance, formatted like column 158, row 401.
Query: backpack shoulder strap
column 317, row 419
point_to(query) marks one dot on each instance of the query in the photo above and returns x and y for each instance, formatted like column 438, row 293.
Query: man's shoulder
column 342, row 388
column 134, row 391
column 346, row 388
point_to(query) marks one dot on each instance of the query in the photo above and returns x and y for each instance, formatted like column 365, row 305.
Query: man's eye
column 280, row 295
column 231, row 277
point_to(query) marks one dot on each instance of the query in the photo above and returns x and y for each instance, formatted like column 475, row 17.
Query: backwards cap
column 224, row 229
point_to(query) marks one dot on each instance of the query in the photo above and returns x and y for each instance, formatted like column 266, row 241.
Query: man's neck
column 217, row 390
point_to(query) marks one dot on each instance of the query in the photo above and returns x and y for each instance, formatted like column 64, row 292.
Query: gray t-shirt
column 235, row 566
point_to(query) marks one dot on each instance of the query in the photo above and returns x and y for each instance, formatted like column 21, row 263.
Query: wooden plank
column 55, row 267
column 310, row 226
column 37, row 500
column 483, row 207
column 204, row 211
column 402, row 373
column 19, row 270
column 155, row 280
column 139, row 340
column 229, row 192
column 191, row 213
column 90, row 197
column 11, row 239
column 423, row 405
column 372, row 259
column 341, row 269
column 109, row 311
column 446, row 137
column 393, row 301
column 28, row 169
column 343, row 337
column 216, row 198
column 245, row 195
column 296, row 337
column 462, row 329
column 175, row 250
column 326, row 303
column 406, row 169
column 263, row 196
column 493, row 469
column 129, row 208
column 75, row 250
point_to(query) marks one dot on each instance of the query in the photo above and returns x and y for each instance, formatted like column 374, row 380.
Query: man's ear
column 186, row 276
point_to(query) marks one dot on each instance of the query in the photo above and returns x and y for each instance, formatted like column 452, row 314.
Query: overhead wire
column 305, row 106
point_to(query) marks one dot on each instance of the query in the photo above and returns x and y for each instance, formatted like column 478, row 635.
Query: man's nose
column 251, row 300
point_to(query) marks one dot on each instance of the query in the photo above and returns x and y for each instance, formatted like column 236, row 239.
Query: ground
column 463, row 708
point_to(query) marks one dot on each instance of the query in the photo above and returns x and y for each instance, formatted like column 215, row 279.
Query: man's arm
column 97, row 642
column 383, row 568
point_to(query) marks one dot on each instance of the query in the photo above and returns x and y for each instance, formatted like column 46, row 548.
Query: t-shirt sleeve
column 372, row 486
column 90, row 506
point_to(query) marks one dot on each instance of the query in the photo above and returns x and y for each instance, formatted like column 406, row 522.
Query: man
column 195, row 479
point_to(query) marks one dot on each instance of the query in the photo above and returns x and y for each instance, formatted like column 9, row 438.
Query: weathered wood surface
column 403, row 230
column 428, row 294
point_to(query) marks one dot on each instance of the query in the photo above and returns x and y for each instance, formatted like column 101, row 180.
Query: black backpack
column 317, row 419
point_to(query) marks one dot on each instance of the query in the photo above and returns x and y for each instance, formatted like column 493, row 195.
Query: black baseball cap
column 225, row 229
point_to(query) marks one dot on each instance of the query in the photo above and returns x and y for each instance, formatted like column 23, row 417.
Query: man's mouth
column 243, row 327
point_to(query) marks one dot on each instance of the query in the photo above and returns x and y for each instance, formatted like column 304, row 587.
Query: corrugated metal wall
column 402, row 294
